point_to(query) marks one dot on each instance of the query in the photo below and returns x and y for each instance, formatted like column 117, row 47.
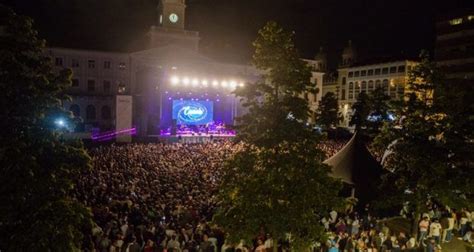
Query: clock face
column 173, row 18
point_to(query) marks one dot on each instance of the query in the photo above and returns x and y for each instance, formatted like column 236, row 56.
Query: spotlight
column 204, row 83
column 195, row 82
column 224, row 83
column 215, row 83
column 242, row 84
column 174, row 80
column 185, row 81
column 233, row 84
column 60, row 123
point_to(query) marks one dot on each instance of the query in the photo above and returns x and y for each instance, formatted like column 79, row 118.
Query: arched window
column 105, row 112
column 357, row 89
column 343, row 80
column 371, row 86
column 377, row 84
column 385, row 86
column 75, row 109
column 364, row 86
column 90, row 112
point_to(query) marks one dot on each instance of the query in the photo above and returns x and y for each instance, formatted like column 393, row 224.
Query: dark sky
column 379, row 28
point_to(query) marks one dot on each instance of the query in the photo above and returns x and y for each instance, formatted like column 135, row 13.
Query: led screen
column 192, row 112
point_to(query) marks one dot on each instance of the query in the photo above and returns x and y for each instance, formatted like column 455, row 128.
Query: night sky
column 378, row 28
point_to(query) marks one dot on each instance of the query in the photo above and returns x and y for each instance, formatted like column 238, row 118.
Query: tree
column 424, row 163
column 361, row 111
column 379, row 110
column 277, row 182
column 327, row 114
column 37, row 166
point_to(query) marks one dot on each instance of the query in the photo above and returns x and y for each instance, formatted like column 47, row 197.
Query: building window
column 75, row 63
column 75, row 109
column 106, row 64
column 122, row 66
column 370, row 72
column 385, row 70
column 351, row 74
column 364, row 86
column 356, row 74
column 401, row 69
column 385, row 86
column 455, row 21
column 363, row 73
column 107, row 86
column 470, row 17
column 91, row 85
column 106, row 112
column 343, row 94
column 393, row 69
column 91, row 63
column 377, row 71
column 357, row 88
column 75, row 82
column 371, row 86
column 90, row 112
column 343, row 80
column 377, row 84
column 400, row 90
column 393, row 89
column 58, row 61
column 351, row 90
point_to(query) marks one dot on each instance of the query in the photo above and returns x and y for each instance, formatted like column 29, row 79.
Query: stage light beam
column 185, row 81
column 174, row 80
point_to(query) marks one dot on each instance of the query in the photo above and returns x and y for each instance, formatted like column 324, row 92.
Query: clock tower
column 171, row 13
column 170, row 29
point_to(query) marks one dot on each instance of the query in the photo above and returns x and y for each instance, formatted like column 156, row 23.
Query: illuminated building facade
column 167, row 70
column 454, row 50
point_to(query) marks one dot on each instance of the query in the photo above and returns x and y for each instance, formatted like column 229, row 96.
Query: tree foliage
column 277, row 181
column 361, row 111
column 327, row 114
column 37, row 166
column 430, row 144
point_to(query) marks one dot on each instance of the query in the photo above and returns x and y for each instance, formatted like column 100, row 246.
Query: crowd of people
column 161, row 197
column 354, row 232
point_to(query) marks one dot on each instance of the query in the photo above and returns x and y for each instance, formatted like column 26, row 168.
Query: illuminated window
column 455, row 21
column 122, row 66
column 470, row 17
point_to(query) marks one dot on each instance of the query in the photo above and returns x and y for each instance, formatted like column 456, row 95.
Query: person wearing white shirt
column 435, row 230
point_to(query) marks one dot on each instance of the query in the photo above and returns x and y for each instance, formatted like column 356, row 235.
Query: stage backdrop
column 191, row 111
